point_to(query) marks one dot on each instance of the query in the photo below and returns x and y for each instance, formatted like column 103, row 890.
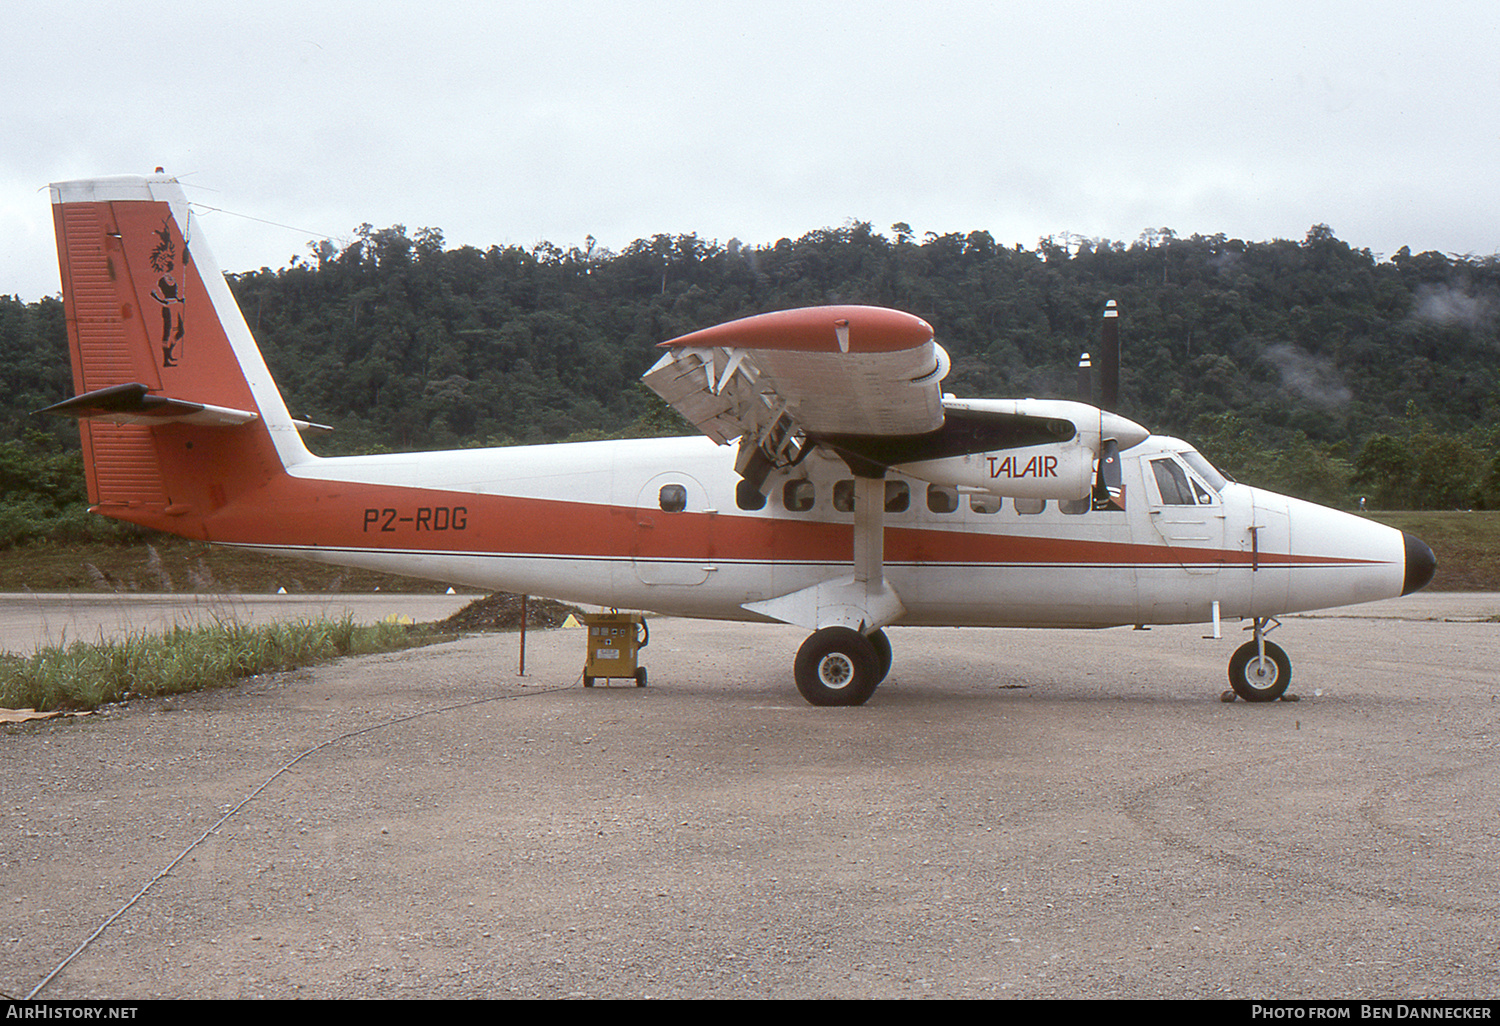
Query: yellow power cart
column 615, row 640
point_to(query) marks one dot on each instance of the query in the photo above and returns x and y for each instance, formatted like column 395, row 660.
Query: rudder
column 177, row 411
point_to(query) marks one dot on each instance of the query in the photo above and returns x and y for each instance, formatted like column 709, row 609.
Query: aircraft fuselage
column 654, row 524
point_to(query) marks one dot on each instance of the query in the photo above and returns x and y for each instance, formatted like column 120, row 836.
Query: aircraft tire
column 883, row 654
column 837, row 666
column 1260, row 683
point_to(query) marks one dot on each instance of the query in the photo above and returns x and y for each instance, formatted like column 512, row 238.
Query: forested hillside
column 1304, row 365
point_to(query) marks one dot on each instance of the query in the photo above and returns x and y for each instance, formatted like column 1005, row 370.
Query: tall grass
column 85, row 676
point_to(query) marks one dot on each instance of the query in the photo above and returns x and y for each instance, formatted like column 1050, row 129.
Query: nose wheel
column 1259, row 671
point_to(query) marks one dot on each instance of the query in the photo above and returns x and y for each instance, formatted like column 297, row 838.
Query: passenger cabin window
column 1177, row 487
column 984, row 502
column 797, row 496
column 747, row 496
column 897, row 496
column 1028, row 507
column 673, row 498
column 1074, row 507
column 843, row 496
column 942, row 499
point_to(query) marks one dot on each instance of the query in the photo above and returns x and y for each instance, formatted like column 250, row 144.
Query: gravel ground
column 1032, row 814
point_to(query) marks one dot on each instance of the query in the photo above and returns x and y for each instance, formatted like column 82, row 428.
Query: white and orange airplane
column 836, row 488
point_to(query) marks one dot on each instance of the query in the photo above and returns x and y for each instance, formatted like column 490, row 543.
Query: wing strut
column 862, row 601
column 869, row 537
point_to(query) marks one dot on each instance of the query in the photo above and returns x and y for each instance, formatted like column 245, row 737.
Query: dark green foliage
column 43, row 496
column 34, row 353
column 1286, row 360
column 1427, row 469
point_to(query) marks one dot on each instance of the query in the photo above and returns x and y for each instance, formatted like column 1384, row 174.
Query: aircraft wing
column 827, row 370
column 866, row 383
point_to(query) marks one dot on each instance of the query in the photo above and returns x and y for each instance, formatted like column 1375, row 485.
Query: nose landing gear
column 1259, row 671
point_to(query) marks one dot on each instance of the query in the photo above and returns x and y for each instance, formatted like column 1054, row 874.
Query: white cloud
column 509, row 123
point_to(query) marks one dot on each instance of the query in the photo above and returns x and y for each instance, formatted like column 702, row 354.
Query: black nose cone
column 1420, row 564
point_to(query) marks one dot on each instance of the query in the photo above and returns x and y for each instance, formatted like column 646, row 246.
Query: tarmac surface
column 1031, row 814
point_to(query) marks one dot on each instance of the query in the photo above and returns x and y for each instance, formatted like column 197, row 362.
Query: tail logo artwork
column 173, row 304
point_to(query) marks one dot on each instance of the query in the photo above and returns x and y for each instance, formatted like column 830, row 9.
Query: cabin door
column 1187, row 515
column 674, row 531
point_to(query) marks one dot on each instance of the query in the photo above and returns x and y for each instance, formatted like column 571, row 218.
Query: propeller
column 1109, row 359
column 1109, row 491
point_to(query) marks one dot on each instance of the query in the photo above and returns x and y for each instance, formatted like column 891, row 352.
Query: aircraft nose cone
column 1420, row 564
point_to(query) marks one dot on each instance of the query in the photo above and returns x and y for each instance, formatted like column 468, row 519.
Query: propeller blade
column 1109, row 491
column 1109, row 359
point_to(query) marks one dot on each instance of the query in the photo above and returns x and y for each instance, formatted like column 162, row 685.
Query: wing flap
column 844, row 370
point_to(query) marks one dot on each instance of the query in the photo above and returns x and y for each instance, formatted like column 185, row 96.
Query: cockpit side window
column 1172, row 482
column 1210, row 473
column 1178, row 487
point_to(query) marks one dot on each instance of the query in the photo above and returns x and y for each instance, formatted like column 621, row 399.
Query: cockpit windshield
column 1205, row 469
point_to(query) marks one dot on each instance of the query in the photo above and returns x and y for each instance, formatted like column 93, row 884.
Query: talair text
column 1011, row 467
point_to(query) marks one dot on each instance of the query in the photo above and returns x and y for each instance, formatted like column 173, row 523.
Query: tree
column 1384, row 466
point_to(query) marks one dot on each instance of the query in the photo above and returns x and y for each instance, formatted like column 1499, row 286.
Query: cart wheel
column 640, row 676
column 588, row 681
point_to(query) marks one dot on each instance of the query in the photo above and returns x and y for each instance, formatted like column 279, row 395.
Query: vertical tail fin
column 177, row 411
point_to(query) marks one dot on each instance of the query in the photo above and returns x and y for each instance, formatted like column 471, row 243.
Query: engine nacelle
column 1062, row 469
column 1053, row 471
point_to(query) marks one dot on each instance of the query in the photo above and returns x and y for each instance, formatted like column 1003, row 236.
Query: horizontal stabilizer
column 133, row 403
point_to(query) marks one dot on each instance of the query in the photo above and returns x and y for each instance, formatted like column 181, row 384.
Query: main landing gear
column 1259, row 671
column 841, row 666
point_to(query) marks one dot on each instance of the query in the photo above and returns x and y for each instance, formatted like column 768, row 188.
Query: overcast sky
column 513, row 123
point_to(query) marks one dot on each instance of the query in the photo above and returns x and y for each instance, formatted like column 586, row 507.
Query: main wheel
column 837, row 666
column 1257, row 679
column 883, row 656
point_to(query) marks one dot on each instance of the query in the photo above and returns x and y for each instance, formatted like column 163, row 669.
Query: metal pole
column 522, row 671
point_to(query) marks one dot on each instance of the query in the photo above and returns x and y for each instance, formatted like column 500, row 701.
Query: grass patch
column 85, row 676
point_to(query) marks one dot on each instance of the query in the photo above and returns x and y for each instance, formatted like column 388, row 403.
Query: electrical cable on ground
column 250, row 797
